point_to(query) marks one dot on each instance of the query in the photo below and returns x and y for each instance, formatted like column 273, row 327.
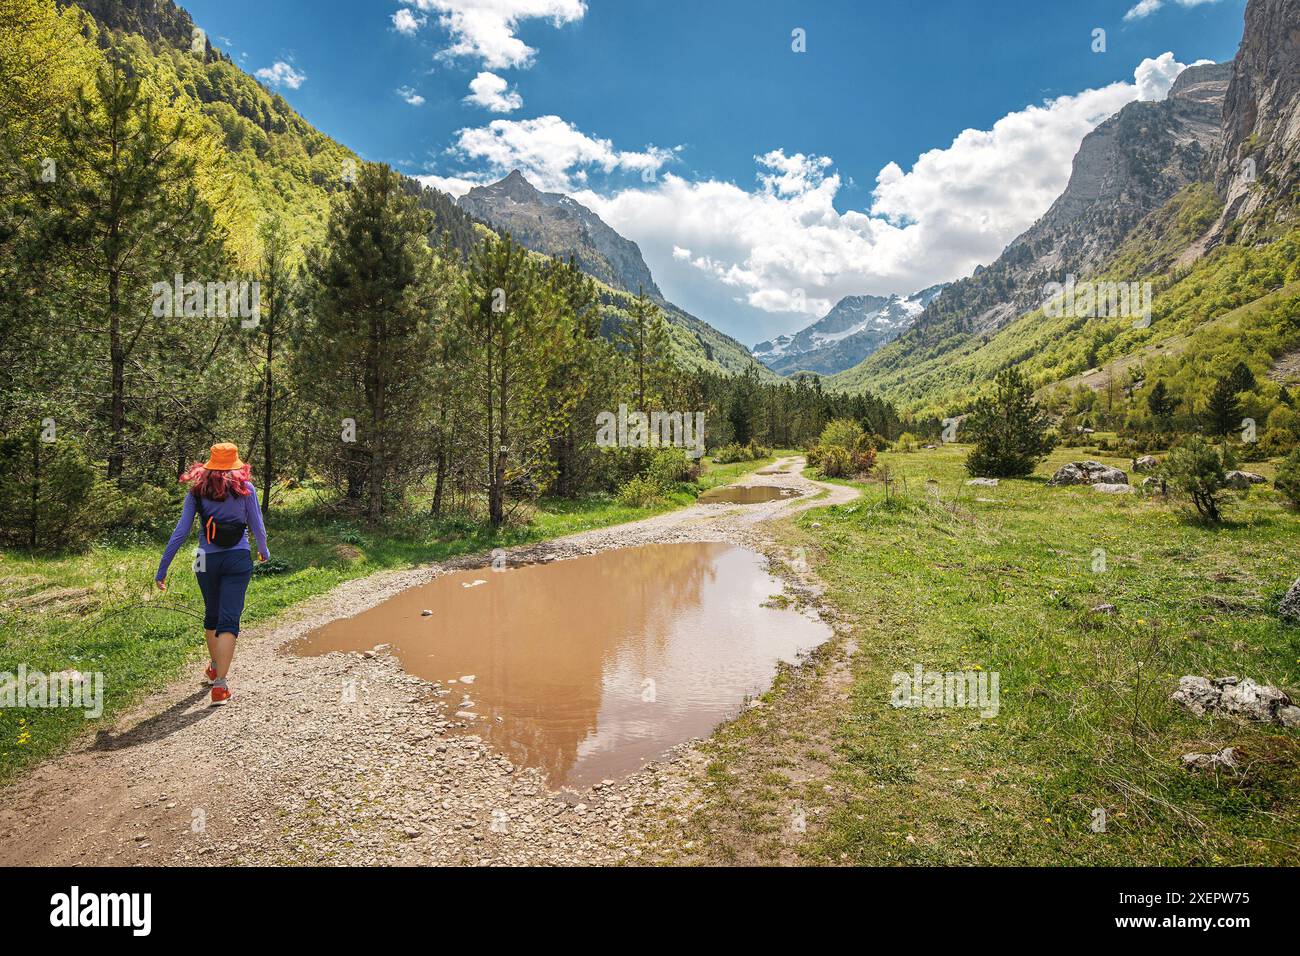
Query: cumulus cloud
column 404, row 21
column 408, row 93
column 485, row 29
column 1145, row 8
column 764, row 257
column 281, row 74
column 747, row 255
column 490, row 91
column 552, row 153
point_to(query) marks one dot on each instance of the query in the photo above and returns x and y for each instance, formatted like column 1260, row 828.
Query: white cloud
column 489, row 91
column 733, row 253
column 404, row 21
column 764, row 258
column 408, row 93
column 485, row 29
column 553, row 154
column 281, row 74
column 1145, row 8
column 456, row 186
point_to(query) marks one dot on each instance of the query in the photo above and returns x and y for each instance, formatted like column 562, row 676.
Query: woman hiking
column 223, row 498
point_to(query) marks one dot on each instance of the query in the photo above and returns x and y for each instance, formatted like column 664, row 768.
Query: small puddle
column 772, row 471
column 745, row 494
column 590, row 668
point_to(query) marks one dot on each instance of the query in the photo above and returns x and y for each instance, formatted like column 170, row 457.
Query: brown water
column 594, row 665
column 744, row 494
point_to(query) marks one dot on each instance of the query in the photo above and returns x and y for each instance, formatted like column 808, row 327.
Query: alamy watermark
column 213, row 300
column 970, row 689
column 38, row 690
column 1093, row 300
column 641, row 430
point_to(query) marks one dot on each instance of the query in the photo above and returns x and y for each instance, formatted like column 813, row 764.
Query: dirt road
column 292, row 774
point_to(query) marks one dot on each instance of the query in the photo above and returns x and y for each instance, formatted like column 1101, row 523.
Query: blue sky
column 757, row 179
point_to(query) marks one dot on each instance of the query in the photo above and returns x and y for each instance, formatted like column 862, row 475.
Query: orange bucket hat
column 224, row 457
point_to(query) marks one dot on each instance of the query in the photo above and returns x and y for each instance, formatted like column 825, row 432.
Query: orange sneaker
column 210, row 673
column 220, row 695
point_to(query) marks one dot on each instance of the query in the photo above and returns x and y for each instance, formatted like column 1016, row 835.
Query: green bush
column 733, row 452
column 1198, row 470
column 1276, row 442
column 641, row 492
column 46, row 493
column 844, row 450
column 672, row 466
column 1288, row 479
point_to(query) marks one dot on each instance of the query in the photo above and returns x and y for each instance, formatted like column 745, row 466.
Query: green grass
column 940, row 578
column 99, row 611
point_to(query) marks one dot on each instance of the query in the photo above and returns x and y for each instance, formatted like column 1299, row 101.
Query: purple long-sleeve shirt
column 236, row 508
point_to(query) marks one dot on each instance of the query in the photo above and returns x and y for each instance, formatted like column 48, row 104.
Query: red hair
column 216, row 485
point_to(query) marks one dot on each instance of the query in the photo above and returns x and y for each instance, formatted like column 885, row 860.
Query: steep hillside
column 1127, row 168
column 556, row 225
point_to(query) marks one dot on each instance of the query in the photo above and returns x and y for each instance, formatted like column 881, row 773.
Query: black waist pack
column 219, row 533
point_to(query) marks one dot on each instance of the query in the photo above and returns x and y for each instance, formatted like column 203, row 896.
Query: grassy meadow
column 1082, row 764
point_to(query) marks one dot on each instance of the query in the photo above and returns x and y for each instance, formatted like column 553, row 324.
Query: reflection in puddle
column 745, row 494
column 591, row 667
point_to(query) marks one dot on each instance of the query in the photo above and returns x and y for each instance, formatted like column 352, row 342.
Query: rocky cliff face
column 1126, row 168
column 1257, row 166
column 555, row 225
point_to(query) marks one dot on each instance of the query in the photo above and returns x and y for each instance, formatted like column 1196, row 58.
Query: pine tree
column 1009, row 429
column 1222, row 410
column 1161, row 404
column 124, row 212
column 643, row 338
column 365, row 353
column 514, row 328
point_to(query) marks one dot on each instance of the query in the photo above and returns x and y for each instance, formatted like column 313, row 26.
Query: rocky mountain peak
column 558, row 225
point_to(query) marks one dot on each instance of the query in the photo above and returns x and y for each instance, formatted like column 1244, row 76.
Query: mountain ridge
column 851, row 330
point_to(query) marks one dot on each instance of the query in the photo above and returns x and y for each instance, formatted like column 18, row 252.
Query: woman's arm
column 255, row 522
column 178, row 536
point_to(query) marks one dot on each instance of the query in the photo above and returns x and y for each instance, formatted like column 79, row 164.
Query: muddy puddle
column 591, row 667
column 745, row 494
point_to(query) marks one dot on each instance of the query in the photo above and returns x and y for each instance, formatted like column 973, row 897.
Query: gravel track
column 290, row 773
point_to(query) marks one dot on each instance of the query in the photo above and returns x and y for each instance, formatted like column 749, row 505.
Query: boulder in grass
column 1225, row 758
column 1113, row 489
column 1197, row 694
column 1253, row 701
column 1088, row 473
column 984, row 482
column 1236, row 697
column 1290, row 606
column 1244, row 479
column 1146, row 463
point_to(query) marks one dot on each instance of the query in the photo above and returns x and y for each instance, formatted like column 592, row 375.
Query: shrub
column 672, row 466
column 641, row 492
column 1198, row 469
column 46, row 493
column 1009, row 429
column 733, row 452
column 844, row 450
column 1288, row 479
column 907, row 442
column 1276, row 442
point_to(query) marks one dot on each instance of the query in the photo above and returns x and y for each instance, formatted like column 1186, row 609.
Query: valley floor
column 289, row 774
column 822, row 769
